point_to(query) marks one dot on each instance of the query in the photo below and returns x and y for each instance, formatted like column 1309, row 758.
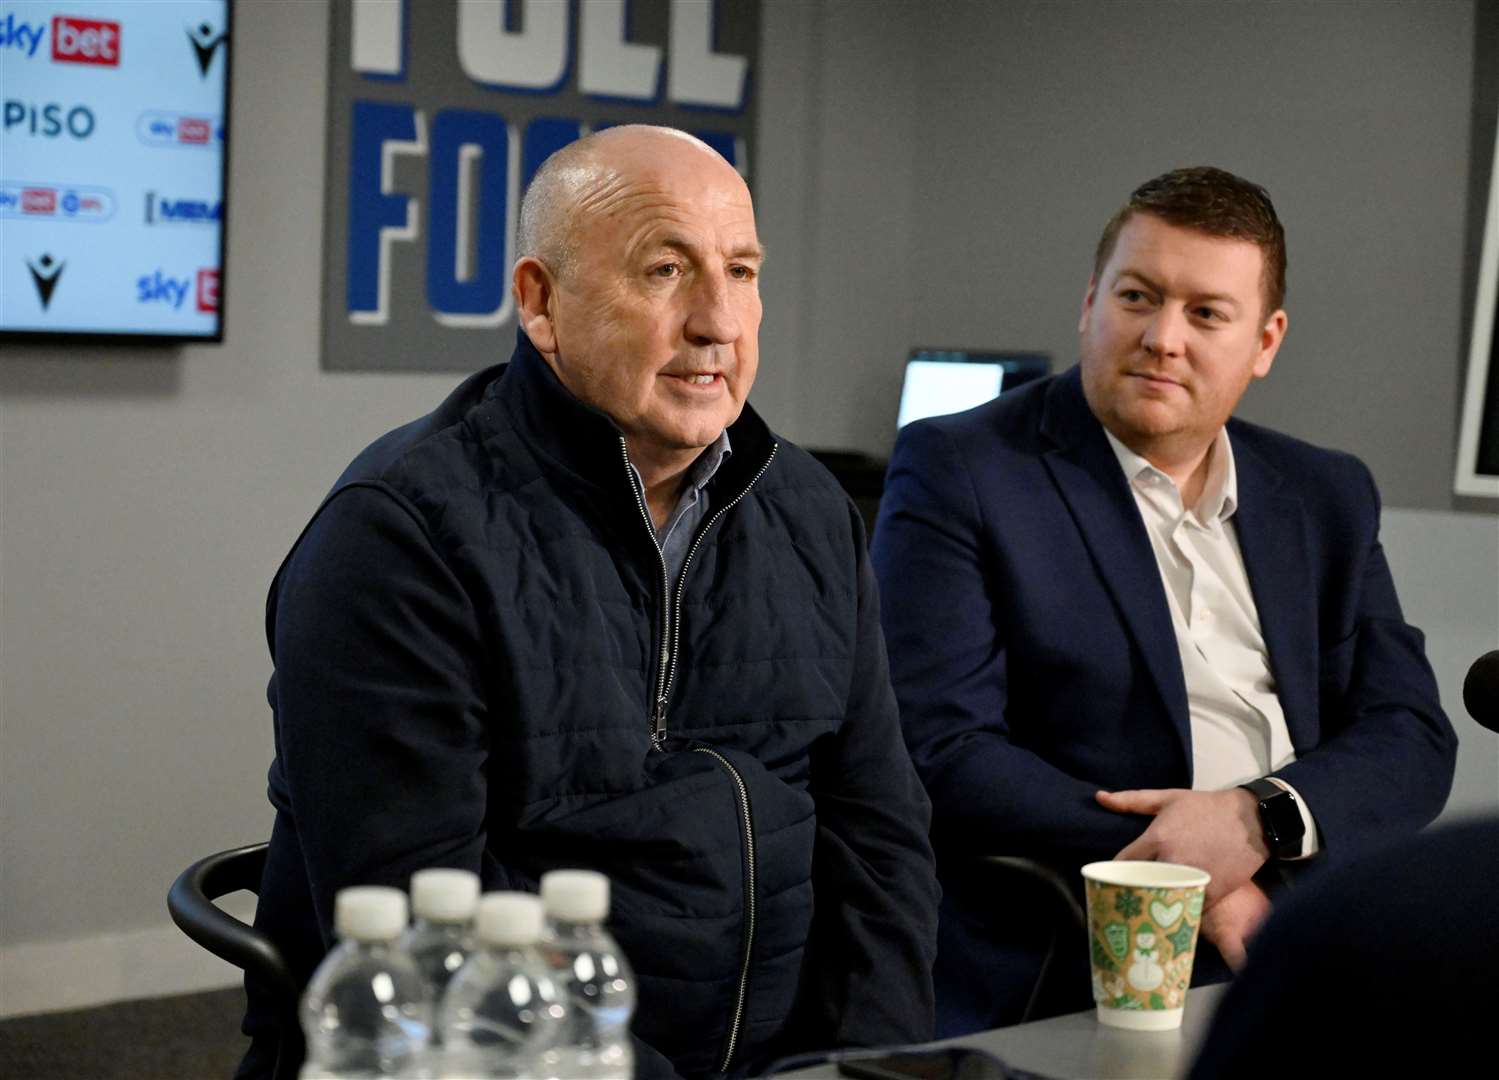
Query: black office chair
column 190, row 900
column 1038, row 887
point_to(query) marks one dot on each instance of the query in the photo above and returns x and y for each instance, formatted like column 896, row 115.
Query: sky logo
column 22, row 36
column 159, row 288
column 85, row 41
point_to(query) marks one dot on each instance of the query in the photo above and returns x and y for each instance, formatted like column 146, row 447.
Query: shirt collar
column 703, row 468
column 710, row 461
column 1220, row 494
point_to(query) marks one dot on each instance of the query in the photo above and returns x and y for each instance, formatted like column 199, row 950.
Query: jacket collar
column 1271, row 525
column 1092, row 484
column 583, row 441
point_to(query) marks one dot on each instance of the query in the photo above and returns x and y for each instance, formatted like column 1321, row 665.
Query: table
column 1078, row 1047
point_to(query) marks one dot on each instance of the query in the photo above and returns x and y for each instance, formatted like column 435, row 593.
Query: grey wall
column 1042, row 116
column 922, row 179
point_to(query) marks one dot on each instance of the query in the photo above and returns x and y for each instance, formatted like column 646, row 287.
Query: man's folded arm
column 379, row 701
column 947, row 658
column 1387, row 755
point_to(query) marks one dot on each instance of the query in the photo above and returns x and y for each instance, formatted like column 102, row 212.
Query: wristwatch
column 1280, row 817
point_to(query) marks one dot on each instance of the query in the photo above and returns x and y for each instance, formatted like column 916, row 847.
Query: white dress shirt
column 1238, row 728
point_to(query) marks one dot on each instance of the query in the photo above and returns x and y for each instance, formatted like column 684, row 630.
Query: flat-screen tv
column 942, row 381
column 113, row 135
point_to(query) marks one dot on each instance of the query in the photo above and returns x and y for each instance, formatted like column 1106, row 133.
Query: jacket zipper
column 676, row 606
column 747, row 825
column 671, row 621
column 671, row 624
column 658, row 704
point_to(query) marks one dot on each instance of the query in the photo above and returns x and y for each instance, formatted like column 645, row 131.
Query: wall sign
column 439, row 114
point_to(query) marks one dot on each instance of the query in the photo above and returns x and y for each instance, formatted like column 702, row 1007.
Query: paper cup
column 1142, row 937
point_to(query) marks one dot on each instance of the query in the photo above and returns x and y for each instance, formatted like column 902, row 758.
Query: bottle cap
column 575, row 895
column 369, row 913
column 508, row 918
column 444, row 895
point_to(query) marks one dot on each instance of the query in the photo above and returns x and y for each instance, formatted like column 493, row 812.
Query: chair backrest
column 1031, row 884
column 190, row 901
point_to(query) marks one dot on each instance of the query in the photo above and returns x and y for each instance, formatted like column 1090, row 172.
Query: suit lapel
column 1271, row 526
column 1087, row 474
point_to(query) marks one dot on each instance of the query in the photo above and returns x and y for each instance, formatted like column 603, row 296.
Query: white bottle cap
column 369, row 913
column 508, row 918
column 575, row 895
column 444, row 895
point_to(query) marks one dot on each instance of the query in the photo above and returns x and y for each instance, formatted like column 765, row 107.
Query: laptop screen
column 942, row 381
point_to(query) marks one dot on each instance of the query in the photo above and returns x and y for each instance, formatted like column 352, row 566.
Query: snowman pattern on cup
column 1147, row 965
column 1145, row 972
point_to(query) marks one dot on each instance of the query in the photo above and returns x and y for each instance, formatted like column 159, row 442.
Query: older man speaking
column 592, row 612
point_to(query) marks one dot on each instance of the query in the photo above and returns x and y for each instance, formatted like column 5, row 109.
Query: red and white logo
column 191, row 129
column 208, row 290
column 85, row 41
column 39, row 200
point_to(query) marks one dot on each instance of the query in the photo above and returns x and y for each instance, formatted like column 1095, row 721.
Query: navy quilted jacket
column 479, row 664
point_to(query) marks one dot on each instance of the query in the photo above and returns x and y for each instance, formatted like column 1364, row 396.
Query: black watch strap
column 1280, row 817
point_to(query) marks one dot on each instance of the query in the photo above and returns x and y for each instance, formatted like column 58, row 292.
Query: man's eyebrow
column 687, row 247
column 1218, row 298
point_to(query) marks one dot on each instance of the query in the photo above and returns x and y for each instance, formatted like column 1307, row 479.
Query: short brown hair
column 1214, row 202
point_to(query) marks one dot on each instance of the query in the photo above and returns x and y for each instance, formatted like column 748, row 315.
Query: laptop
column 942, row 381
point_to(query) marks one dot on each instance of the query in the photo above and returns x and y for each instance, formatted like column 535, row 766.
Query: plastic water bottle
column 593, row 975
column 442, row 909
column 367, row 1012
column 502, row 1013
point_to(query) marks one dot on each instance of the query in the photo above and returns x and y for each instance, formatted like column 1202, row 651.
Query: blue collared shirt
column 675, row 537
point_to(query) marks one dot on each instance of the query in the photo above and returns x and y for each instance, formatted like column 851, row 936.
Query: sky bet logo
column 158, row 287
column 176, row 129
column 163, row 210
column 85, row 41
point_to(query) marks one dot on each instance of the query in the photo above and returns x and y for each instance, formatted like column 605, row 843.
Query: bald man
column 592, row 612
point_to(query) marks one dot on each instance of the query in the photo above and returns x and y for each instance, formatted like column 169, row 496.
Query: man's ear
column 1271, row 335
column 535, row 301
column 1082, row 318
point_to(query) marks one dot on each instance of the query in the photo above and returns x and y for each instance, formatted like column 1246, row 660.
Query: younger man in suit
column 1123, row 624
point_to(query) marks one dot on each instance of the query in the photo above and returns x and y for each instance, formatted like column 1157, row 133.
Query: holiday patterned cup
column 1143, row 919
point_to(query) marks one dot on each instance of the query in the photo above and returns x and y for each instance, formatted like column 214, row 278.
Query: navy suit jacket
column 1033, row 654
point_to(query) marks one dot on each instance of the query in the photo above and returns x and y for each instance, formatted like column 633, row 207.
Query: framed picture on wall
column 1478, row 436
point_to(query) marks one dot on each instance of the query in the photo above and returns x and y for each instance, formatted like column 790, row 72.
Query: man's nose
column 712, row 319
column 1165, row 334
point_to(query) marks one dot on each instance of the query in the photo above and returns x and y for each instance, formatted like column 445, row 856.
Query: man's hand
column 1216, row 831
column 1233, row 920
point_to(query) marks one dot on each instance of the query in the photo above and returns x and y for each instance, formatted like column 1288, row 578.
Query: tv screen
column 942, row 381
column 112, row 174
